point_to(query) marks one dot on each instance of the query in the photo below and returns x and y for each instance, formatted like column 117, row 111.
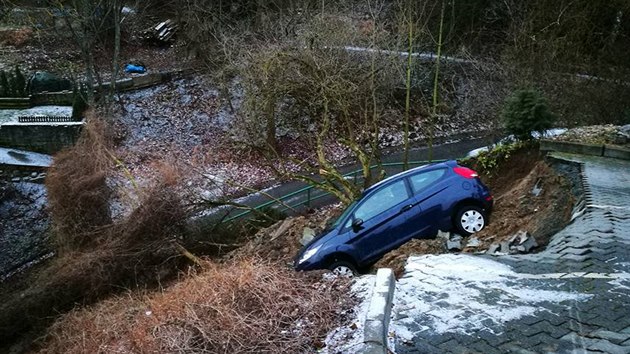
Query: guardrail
column 312, row 193
column 45, row 119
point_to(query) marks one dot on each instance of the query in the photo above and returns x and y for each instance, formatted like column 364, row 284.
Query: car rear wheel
column 470, row 219
column 343, row 269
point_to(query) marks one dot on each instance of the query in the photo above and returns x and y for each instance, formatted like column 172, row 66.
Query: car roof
column 449, row 163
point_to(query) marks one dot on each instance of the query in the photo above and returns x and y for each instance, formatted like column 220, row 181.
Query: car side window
column 382, row 200
column 422, row 180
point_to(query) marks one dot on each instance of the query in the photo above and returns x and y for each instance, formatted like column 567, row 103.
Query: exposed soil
column 516, row 207
column 397, row 258
column 281, row 241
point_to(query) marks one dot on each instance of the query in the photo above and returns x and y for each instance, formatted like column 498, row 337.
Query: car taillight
column 465, row 172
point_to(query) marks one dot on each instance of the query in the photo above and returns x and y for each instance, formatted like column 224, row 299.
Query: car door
column 384, row 216
column 428, row 188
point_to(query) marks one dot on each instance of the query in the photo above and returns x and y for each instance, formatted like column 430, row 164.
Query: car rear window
column 422, row 180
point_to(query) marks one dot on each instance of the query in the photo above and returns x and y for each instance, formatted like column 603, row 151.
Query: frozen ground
column 349, row 339
column 24, row 222
column 24, row 158
column 466, row 294
column 11, row 115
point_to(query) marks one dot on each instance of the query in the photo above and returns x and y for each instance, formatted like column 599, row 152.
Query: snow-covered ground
column 465, row 294
column 547, row 134
column 11, row 115
column 24, row 158
column 349, row 339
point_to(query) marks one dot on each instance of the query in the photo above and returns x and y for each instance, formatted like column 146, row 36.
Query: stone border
column 378, row 313
column 585, row 149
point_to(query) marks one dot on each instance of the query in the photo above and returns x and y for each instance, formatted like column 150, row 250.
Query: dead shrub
column 78, row 193
column 242, row 307
column 137, row 252
column 97, row 257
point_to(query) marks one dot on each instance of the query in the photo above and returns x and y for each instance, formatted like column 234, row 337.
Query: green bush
column 526, row 111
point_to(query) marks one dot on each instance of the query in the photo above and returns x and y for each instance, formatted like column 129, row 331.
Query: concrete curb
column 585, row 149
column 379, row 309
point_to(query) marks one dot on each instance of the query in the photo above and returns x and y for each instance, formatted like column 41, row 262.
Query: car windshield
column 343, row 215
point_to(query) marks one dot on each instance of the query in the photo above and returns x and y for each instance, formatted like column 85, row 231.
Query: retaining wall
column 65, row 98
column 20, row 173
column 47, row 138
column 586, row 149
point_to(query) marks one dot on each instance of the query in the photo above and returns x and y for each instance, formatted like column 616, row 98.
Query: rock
column 620, row 139
column 625, row 130
column 473, row 242
column 453, row 245
column 527, row 245
column 493, row 248
column 536, row 190
column 505, row 247
column 445, row 235
column 307, row 236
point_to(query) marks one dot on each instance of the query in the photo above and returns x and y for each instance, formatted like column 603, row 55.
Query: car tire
column 343, row 269
column 470, row 219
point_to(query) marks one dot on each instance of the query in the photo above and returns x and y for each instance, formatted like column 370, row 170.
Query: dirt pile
column 539, row 203
column 281, row 241
column 397, row 258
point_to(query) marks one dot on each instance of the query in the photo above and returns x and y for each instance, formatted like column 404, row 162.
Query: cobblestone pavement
column 574, row 297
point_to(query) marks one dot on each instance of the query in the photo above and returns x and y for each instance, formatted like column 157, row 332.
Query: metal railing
column 45, row 119
column 283, row 203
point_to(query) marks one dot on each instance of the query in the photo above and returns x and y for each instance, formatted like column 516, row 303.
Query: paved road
column 574, row 297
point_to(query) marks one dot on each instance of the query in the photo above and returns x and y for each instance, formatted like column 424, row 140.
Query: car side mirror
column 356, row 224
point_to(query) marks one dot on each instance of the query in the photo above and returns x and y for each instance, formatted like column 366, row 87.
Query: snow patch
column 349, row 338
column 24, row 158
column 465, row 294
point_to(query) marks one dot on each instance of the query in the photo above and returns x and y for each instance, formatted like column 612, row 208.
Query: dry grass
column 77, row 187
column 96, row 257
column 242, row 307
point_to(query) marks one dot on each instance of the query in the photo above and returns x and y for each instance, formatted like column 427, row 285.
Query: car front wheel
column 343, row 269
column 470, row 219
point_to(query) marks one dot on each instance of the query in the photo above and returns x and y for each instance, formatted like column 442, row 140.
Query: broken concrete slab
column 307, row 236
column 527, row 245
column 453, row 245
column 493, row 248
column 473, row 242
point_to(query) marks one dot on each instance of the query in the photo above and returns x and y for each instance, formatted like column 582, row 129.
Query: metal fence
column 305, row 197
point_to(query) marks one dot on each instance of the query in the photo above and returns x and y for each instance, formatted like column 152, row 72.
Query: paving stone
column 614, row 337
column 483, row 347
column 596, row 243
column 515, row 347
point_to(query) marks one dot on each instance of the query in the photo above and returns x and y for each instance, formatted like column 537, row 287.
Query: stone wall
column 47, row 138
column 20, row 173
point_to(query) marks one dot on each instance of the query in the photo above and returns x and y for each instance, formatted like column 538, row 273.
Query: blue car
column 412, row 204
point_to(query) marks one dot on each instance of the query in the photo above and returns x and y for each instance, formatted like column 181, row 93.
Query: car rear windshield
column 422, row 180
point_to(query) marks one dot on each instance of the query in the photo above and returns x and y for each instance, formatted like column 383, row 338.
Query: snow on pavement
column 464, row 294
column 349, row 338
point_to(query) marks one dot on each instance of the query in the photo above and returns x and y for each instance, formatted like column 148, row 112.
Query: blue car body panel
column 434, row 193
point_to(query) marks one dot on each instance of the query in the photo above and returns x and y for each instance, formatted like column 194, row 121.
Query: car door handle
column 406, row 208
